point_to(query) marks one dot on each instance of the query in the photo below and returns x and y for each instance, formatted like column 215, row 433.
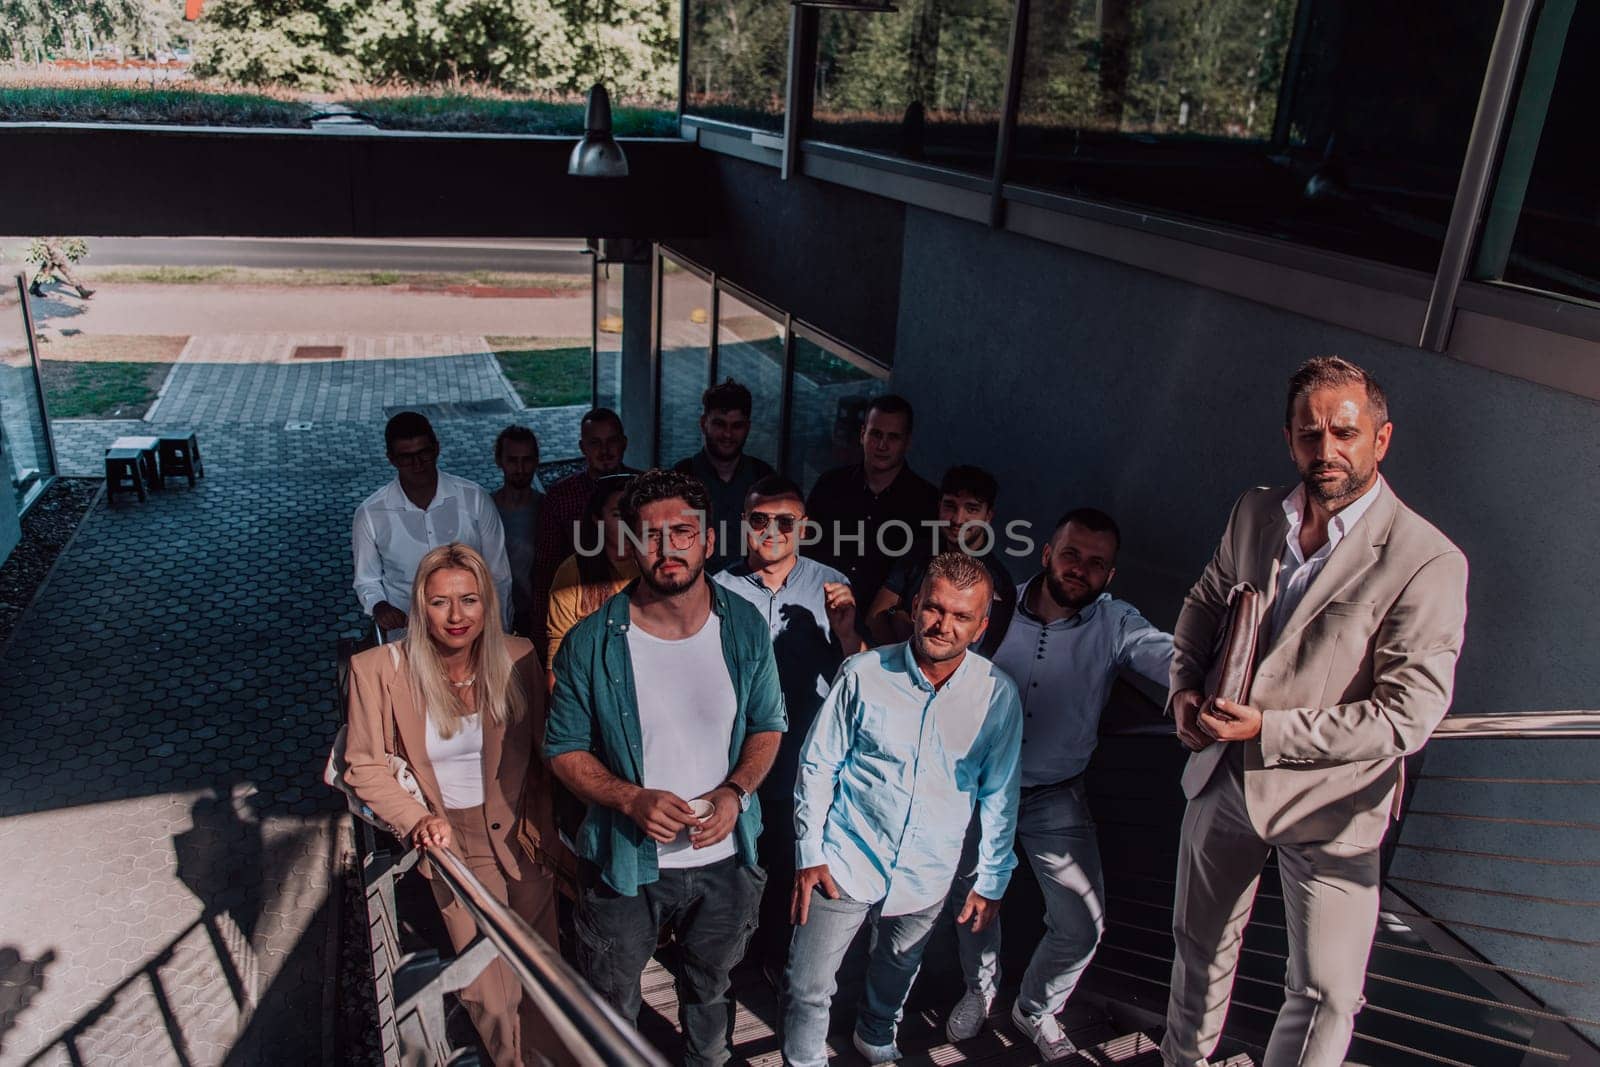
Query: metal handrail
column 1522, row 724
column 591, row 1031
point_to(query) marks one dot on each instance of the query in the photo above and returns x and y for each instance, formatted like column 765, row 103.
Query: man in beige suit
column 1363, row 604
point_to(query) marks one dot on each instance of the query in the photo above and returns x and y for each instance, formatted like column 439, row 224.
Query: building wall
column 1081, row 381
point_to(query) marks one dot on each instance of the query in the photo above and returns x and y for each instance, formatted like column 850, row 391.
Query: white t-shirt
column 458, row 761
column 686, row 711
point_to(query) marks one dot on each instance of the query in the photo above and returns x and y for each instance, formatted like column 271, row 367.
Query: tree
column 32, row 31
column 298, row 43
column 529, row 46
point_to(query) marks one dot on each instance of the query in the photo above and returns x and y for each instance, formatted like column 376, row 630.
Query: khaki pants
column 1330, row 904
column 511, row 1030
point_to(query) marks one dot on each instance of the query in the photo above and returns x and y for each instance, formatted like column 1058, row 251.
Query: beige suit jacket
column 516, row 783
column 1360, row 675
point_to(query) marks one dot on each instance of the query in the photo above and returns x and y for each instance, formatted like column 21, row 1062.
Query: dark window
column 1542, row 229
column 1335, row 123
column 831, row 394
column 926, row 82
column 736, row 61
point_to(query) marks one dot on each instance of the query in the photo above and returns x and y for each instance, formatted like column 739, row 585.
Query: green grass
column 175, row 275
column 187, row 107
column 77, row 390
column 545, row 377
column 471, row 113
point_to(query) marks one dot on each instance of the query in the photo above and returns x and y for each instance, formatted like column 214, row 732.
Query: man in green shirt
column 667, row 701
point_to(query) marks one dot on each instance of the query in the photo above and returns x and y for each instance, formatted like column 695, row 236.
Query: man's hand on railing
column 432, row 832
column 387, row 616
column 1186, row 705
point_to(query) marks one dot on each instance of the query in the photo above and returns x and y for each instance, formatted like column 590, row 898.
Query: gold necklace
column 463, row 684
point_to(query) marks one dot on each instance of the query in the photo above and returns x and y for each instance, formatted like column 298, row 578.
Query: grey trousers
column 1330, row 904
column 1056, row 833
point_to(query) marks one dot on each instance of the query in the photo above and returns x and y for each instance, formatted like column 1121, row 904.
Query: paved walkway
column 123, row 308
column 167, row 705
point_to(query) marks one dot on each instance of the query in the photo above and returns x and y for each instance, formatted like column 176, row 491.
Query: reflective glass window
column 1335, row 123
column 24, row 434
column 685, row 359
column 736, row 61
column 608, row 336
column 1542, row 229
column 926, row 82
column 831, row 394
column 750, row 351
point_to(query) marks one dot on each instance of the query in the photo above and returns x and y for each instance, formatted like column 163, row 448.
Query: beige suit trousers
column 1330, row 904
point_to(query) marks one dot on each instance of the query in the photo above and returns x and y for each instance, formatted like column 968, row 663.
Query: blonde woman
column 464, row 704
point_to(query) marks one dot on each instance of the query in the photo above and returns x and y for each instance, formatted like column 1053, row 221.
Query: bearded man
column 665, row 717
column 1066, row 642
column 1363, row 605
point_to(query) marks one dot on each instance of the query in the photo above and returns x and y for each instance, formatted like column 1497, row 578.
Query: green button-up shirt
column 595, row 709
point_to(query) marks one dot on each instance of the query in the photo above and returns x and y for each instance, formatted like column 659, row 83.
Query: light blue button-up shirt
column 892, row 770
column 1064, row 670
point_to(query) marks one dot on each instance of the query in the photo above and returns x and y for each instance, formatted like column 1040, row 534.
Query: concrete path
column 166, row 704
column 123, row 308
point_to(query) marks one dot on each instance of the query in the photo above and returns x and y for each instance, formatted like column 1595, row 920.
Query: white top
column 458, row 761
column 390, row 536
column 1295, row 572
column 686, row 711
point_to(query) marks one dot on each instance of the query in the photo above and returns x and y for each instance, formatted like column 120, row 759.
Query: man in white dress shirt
column 421, row 509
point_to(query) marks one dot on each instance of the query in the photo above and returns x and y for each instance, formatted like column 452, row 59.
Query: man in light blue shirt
column 912, row 737
column 1066, row 643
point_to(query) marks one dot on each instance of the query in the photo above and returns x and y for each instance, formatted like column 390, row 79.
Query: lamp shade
column 598, row 155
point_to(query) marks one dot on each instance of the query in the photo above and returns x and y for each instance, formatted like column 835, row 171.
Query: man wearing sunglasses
column 812, row 615
column 421, row 509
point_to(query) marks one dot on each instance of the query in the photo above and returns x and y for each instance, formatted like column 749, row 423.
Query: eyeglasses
column 759, row 520
column 679, row 537
column 414, row 459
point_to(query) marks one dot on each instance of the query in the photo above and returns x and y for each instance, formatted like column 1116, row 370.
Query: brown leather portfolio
column 1235, row 665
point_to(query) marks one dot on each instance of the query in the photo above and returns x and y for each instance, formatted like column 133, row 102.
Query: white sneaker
column 968, row 1016
column 874, row 1053
column 1045, row 1033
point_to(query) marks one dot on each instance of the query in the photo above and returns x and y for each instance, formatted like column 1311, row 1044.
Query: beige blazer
column 1359, row 677
column 516, row 783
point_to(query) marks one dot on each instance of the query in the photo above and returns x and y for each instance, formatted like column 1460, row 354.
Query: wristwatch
column 738, row 791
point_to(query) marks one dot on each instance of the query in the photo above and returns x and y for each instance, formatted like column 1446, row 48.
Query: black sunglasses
column 759, row 519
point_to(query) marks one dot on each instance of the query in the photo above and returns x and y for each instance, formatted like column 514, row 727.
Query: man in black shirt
column 875, row 512
column 723, row 468
column 966, row 516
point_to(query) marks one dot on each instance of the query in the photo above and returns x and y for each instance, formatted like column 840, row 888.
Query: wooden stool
column 124, row 471
column 180, row 456
column 148, row 464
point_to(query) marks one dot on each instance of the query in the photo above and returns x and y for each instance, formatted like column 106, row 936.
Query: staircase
column 1100, row 1040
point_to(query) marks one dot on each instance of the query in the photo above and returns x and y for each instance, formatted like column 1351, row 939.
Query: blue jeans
column 815, row 954
column 1056, row 833
column 711, row 912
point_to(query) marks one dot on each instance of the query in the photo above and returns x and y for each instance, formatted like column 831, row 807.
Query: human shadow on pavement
column 21, row 980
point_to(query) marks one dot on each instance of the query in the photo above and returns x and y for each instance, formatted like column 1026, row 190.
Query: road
column 543, row 257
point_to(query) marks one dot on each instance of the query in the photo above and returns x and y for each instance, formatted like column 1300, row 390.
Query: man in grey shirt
column 812, row 615
column 1064, row 647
